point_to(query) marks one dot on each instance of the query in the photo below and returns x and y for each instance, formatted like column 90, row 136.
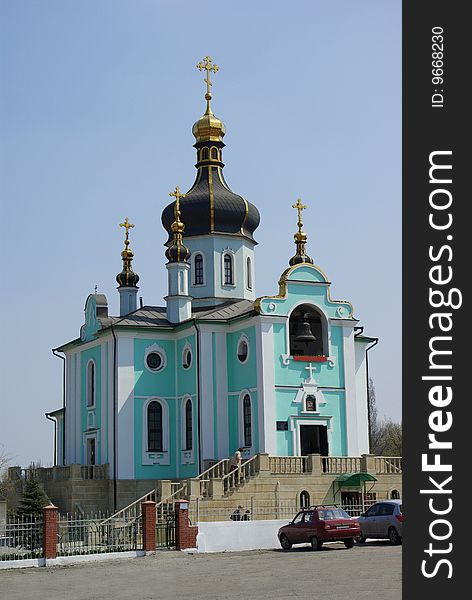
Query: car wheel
column 316, row 543
column 393, row 536
column 360, row 540
column 349, row 543
column 285, row 542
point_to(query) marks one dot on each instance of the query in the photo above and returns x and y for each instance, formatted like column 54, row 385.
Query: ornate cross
column 206, row 64
column 127, row 225
column 299, row 206
column 177, row 195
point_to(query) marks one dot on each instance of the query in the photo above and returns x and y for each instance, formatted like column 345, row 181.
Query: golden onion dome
column 209, row 128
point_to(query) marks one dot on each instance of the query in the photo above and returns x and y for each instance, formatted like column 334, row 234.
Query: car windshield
column 332, row 513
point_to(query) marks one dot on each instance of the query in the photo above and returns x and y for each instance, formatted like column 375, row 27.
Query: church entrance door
column 91, row 451
column 314, row 439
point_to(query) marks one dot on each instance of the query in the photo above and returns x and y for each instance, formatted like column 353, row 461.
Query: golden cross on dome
column 177, row 195
column 299, row 206
column 127, row 225
column 207, row 65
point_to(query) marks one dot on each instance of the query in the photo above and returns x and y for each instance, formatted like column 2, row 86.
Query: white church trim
column 294, row 425
column 154, row 457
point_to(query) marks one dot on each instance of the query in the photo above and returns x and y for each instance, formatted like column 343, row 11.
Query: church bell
column 303, row 332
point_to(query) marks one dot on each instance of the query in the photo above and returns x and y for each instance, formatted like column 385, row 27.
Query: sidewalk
column 334, row 573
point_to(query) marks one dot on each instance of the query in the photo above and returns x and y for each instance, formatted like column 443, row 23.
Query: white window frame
column 243, row 338
column 90, row 406
column 187, row 457
column 154, row 457
column 158, row 350
column 186, row 348
column 249, row 273
column 242, row 444
column 192, row 260
column 231, row 254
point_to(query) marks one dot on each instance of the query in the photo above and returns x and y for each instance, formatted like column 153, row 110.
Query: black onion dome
column 211, row 207
column 127, row 278
column 177, row 253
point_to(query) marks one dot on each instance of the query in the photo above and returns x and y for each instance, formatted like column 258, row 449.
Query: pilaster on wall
column 266, row 386
column 206, row 394
column 350, row 390
column 125, row 396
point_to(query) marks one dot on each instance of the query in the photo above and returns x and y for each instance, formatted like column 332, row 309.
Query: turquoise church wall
column 241, row 376
column 288, row 410
column 171, row 384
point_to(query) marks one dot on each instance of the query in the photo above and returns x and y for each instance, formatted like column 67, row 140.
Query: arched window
column 243, row 349
column 214, row 153
column 395, row 495
column 91, row 383
column 247, row 421
column 228, row 267
column 304, row 499
column 188, row 425
column 307, row 334
column 154, row 426
column 248, row 274
column 205, row 154
column 198, row 270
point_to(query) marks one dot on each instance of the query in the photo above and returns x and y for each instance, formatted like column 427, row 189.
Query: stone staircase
column 265, row 480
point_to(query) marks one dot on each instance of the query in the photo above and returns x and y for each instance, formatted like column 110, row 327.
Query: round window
column 187, row 359
column 243, row 351
column 154, row 361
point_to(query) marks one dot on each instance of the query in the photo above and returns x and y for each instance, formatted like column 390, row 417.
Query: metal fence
column 93, row 534
column 21, row 538
column 249, row 510
column 255, row 510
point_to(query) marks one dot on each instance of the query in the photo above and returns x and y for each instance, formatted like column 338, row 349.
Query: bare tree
column 385, row 437
column 4, row 462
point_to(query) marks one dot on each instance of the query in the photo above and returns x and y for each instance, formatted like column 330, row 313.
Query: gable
column 308, row 284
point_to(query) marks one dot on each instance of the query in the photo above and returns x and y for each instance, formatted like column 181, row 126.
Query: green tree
column 34, row 498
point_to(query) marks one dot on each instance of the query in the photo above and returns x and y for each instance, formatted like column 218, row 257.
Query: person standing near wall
column 235, row 461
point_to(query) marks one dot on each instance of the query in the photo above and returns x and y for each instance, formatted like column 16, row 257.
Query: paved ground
column 366, row 572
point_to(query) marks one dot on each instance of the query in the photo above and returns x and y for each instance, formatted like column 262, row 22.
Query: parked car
column 320, row 524
column 383, row 520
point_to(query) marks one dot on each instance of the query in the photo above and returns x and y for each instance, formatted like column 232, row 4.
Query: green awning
column 353, row 479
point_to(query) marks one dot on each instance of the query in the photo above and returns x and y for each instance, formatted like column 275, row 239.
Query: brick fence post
column 50, row 531
column 148, row 512
column 185, row 534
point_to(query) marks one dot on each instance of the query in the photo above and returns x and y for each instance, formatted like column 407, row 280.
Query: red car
column 320, row 524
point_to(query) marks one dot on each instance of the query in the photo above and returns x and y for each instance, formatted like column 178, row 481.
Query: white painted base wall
column 222, row 536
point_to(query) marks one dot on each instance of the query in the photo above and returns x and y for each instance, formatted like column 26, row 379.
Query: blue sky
column 97, row 101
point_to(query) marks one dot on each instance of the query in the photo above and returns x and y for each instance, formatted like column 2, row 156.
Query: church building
column 160, row 391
